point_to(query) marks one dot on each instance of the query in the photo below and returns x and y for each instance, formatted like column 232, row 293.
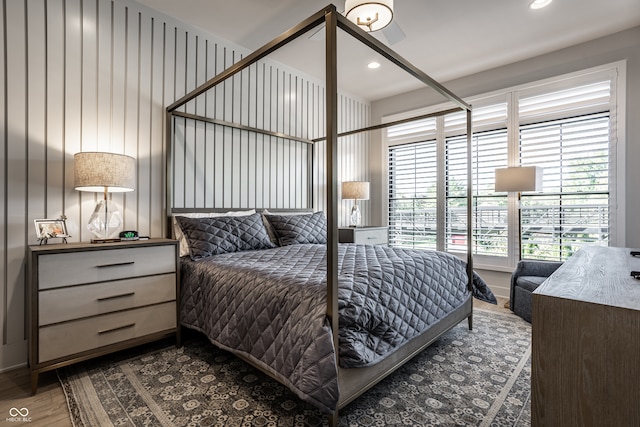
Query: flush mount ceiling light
column 373, row 65
column 539, row 4
column 369, row 15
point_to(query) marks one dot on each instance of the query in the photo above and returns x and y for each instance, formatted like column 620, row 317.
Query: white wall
column 83, row 75
column 624, row 45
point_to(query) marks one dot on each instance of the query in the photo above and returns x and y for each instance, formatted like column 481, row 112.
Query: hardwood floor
column 49, row 407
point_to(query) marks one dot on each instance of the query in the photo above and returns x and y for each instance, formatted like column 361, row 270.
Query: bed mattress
column 269, row 306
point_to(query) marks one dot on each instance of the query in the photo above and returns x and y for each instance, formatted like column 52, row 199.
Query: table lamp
column 356, row 190
column 519, row 179
column 104, row 173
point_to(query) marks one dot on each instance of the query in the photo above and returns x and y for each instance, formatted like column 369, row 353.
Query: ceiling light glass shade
column 369, row 15
column 539, row 4
column 104, row 173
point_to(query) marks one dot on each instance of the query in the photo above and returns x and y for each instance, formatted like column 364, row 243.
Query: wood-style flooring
column 48, row 408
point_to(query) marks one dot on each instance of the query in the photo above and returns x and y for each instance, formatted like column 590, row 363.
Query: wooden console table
column 586, row 342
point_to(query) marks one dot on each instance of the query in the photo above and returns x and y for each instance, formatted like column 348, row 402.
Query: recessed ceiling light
column 539, row 4
column 373, row 65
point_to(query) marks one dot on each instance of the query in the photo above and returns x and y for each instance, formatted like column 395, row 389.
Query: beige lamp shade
column 519, row 179
column 356, row 190
column 104, row 172
column 368, row 14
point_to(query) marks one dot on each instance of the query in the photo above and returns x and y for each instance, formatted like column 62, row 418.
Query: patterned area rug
column 466, row 378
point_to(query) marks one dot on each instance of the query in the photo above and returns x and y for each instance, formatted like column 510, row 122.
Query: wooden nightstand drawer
column 63, row 339
column 364, row 235
column 106, row 297
column 73, row 268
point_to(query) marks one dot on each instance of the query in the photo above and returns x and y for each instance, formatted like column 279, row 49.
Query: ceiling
column 447, row 39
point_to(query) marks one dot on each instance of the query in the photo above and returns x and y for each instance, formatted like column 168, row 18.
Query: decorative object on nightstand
column 355, row 190
column 88, row 300
column 364, row 235
column 51, row 229
column 104, row 173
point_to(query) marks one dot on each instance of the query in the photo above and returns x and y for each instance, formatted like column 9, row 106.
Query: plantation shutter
column 490, row 151
column 567, row 133
column 413, row 184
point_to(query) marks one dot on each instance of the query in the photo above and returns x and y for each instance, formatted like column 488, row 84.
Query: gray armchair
column 527, row 276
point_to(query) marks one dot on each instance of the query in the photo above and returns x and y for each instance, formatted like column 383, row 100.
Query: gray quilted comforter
column 270, row 307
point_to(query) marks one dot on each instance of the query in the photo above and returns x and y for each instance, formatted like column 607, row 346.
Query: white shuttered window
column 567, row 126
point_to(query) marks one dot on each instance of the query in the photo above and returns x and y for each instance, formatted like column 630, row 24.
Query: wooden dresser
column 586, row 342
column 87, row 300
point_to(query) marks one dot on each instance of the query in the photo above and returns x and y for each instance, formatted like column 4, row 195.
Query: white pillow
column 177, row 231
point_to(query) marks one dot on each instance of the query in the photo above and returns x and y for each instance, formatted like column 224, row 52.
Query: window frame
column 615, row 71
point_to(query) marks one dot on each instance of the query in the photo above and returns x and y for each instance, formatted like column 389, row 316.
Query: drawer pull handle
column 371, row 238
column 117, row 328
column 118, row 264
column 128, row 294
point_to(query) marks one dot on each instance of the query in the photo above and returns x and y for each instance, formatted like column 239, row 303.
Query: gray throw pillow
column 224, row 234
column 299, row 229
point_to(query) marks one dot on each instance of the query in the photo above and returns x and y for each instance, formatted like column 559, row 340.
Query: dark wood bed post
column 469, row 212
column 331, row 64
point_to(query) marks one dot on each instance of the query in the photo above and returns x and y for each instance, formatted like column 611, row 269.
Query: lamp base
column 355, row 216
column 106, row 221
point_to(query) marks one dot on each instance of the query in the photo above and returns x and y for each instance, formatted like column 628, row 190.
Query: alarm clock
column 129, row 235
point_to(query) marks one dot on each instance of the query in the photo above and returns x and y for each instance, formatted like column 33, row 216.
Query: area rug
column 466, row 378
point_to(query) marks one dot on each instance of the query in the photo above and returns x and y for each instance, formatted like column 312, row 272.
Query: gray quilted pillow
column 224, row 234
column 299, row 229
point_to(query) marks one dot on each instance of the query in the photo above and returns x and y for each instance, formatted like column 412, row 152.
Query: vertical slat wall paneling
column 119, row 46
column 261, row 89
column 142, row 153
column 199, row 163
column 84, row 75
column 190, row 71
column 168, row 93
column 249, row 101
column 248, row 175
column 156, row 131
column 88, row 94
column 54, row 104
column 128, row 201
column 72, row 112
column 35, row 158
column 180, row 124
column 209, row 108
column 15, row 169
column 4, row 127
column 219, row 131
column 36, row 114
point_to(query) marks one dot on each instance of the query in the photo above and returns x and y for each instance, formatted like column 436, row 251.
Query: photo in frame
column 50, row 229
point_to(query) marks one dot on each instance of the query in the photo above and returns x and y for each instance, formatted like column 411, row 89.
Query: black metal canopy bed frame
column 352, row 381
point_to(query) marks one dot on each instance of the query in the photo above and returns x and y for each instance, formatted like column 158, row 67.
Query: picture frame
column 51, row 229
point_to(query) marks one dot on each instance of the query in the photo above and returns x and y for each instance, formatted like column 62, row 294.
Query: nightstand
column 364, row 235
column 87, row 300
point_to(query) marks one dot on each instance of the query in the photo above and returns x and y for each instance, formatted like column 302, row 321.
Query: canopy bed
column 277, row 283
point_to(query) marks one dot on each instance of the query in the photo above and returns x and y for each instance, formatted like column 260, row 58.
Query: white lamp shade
column 519, row 179
column 371, row 15
column 357, row 190
column 100, row 172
